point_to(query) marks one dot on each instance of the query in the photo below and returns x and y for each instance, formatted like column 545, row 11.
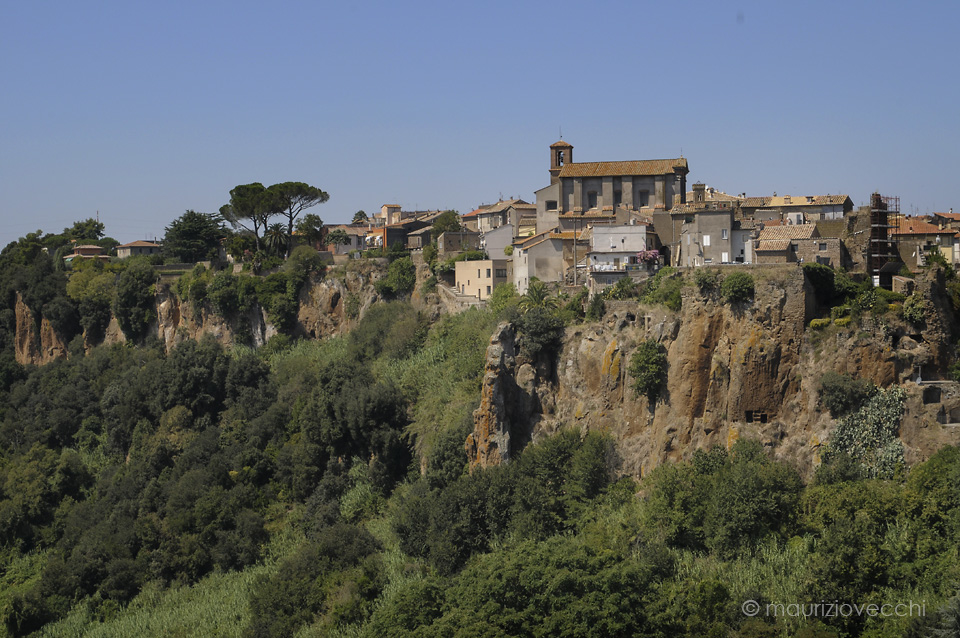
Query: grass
column 215, row 606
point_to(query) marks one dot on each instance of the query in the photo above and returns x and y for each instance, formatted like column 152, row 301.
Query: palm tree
column 537, row 296
column 275, row 238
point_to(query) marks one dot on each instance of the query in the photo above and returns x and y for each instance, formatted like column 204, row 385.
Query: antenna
column 561, row 132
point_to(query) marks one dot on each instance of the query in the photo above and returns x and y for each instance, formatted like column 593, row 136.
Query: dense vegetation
column 322, row 489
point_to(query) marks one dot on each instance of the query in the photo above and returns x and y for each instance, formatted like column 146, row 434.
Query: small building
column 495, row 241
column 487, row 218
column 917, row 239
column 387, row 236
column 617, row 252
column 453, row 242
column 797, row 209
column 137, row 248
column 798, row 243
column 479, row 278
column 86, row 251
column 539, row 256
column 355, row 234
column 418, row 239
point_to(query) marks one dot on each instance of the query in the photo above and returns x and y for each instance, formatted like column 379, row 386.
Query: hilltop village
column 598, row 222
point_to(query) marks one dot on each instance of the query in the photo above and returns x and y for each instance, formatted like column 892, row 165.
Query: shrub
column 648, row 367
column 871, row 435
column 596, row 308
column 841, row 393
column 401, row 278
column 134, row 303
column 737, row 287
column 664, row 288
column 429, row 285
column 222, row 293
column 818, row 324
column 623, row 289
column 540, row 330
column 705, row 280
column 914, row 310
column 840, row 311
column 503, row 296
column 842, row 322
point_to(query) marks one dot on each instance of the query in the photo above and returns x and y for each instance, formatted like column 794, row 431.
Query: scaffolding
column 883, row 254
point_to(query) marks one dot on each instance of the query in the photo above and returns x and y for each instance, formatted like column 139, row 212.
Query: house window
column 592, row 199
column 706, row 240
column 488, row 290
column 643, row 197
column 551, row 204
column 488, row 273
column 823, row 246
column 478, row 273
column 809, row 199
column 501, row 273
column 617, row 198
column 793, row 247
column 786, row 200
column 723, row 233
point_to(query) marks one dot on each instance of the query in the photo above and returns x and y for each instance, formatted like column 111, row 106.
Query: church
column 607, row 192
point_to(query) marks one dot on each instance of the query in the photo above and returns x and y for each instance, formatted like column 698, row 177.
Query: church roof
column 609, row 169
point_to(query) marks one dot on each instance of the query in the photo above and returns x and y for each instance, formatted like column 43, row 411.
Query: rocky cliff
column 35, row 342
column 749, row 369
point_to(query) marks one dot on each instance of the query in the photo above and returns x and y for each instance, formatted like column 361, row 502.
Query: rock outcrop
column 33, row 344
column 743, row 370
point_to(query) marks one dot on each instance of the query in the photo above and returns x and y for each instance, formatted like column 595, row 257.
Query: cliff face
column 327, row 307
column 744, row 370
column 33, row 344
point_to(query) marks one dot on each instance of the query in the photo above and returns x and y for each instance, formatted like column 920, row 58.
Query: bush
column 841, row 393
column 504, row 295
column 648, row 367
column 595, row 308
column 540, row 331
column 664, row 288
column 429, row 285
column 818, row 324
column 840, row 311
column 401, row 278
column 841, row 322
column 623, row 289
column 737, row 287
column 134, row 304
column 914, row 310
column 705, row 280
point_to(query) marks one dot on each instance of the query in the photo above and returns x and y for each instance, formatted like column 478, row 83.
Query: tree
column 448, row 220
column 290, row 199
column 275, row 238
column 193, row 237
column 310, row 228
column 86, row 229
column 537, row 296
column 359, row 217
column 648, row 367
column 248, row 209
column 134, row 304
column 338, row 237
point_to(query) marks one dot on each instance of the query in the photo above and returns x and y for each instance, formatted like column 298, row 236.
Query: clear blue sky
column 143, row 110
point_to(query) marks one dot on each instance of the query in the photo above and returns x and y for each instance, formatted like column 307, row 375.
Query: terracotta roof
column 561, row 143
column 422, row 231
column 640, row 167
column 795, row 200
column 954, row 216
column 139, row 242
column 912, row 226
column 593, row 212
column 523, row 241
column 796, row 231
column 567, row 234
column 350, row 230
column 772, row 245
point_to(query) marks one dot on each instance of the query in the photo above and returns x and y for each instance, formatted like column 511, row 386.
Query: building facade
column 479, row 278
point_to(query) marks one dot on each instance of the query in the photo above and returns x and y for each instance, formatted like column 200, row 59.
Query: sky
column 137, row 112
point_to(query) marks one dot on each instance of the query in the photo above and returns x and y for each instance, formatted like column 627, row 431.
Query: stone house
column 796, row 209
column 453, row 242
column 136, row 248
column 917, row 239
